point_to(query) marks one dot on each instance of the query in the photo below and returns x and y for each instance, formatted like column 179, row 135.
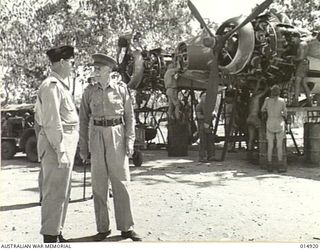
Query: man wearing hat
column 57, row 142
column 106, row 105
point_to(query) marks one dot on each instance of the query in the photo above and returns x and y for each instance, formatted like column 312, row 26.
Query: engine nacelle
column 261, row 49
column 193, row 55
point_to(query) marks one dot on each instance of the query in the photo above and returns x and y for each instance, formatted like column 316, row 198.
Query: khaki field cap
column 103, row 59
column 63, row 52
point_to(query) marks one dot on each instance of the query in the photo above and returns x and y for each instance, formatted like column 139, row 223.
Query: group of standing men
column 106, row 133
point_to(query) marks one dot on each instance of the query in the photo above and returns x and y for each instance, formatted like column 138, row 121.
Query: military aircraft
column 256, row 52
column 255, row 48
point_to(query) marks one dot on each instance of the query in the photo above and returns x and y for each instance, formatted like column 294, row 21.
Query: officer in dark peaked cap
column 57, row 141
column 107, row 107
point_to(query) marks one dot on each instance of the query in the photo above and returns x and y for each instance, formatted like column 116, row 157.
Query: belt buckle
column 103, row 122
column 113, row 122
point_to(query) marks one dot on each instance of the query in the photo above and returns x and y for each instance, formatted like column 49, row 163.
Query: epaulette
column 122, row 84
column 52, row 80
column 91, row 87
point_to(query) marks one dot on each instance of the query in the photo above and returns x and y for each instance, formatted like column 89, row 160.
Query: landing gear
column 31, row 149
column 137, row 158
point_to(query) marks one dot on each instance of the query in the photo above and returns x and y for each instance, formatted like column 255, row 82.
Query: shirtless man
column 170, row 82
column 302, row 68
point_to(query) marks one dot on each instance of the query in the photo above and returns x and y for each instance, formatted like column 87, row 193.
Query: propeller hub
column 209, row 42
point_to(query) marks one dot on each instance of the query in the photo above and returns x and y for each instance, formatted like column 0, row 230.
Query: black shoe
column 131, row 235
column 101, row 236
column 269, row 167
column 282, row 170
column 61, row 238
column 50, row 238
column 212, row 158
column 202, row 159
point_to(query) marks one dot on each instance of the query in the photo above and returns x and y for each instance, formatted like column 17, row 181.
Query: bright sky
column 221, row 10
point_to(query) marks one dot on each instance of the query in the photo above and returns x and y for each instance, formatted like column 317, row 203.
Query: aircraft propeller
column 216, row 43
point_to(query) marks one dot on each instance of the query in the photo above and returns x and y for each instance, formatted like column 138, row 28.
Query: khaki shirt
column 113, row 101
column 276, row 109
column 54, row 109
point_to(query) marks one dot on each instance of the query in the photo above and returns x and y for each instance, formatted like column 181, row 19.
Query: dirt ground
column 177, row 199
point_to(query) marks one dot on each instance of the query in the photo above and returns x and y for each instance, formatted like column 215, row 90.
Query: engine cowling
column 238, row 48
column 193, row 55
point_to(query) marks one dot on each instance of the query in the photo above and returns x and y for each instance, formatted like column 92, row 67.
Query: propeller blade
column 212, row 91
column 197, row 15
column 258, row 10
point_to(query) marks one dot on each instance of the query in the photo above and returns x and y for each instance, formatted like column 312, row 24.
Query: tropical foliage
column 30, row 27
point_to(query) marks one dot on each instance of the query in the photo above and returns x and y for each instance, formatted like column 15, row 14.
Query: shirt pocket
column 96, row 106
column 117, row 103
column 67, row 104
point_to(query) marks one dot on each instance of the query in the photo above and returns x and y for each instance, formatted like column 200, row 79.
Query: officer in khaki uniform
column 57, row 142
column 106, row 110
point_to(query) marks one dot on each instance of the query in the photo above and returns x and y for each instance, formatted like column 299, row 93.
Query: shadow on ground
column 157, row 164
column 115, row 238
column 234, row 167
column 19, row 206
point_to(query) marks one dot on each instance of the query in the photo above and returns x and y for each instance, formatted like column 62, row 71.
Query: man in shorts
column 275, row 107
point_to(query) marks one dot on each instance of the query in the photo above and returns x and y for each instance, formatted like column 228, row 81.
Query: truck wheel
column 8, row 150
column 137, row 158
column 31, row 149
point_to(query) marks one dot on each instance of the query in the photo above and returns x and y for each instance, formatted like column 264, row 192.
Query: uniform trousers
column 56, row 183
column 206, row 147
column 110, row 163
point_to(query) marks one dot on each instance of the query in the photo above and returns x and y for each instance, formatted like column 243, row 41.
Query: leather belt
column 69, row 127
column 65, row 127
column 107, row 123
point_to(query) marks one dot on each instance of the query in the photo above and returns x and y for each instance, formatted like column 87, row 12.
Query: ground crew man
column 302, row 67
column 106, row 110
column 57, row 142
column 206, row 145
column 277, row 113
column 170, row 83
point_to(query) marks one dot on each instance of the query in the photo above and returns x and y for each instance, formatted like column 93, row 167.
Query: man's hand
column 129, row 149
column 207, row 128
column 264, row 116
column 64, row 161
column 85, row 158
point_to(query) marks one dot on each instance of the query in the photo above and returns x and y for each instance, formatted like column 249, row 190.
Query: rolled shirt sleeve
column 50, row 116
column 84, row 123
column 129, row 118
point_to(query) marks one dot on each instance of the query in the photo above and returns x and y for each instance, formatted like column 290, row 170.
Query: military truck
column 17, row 131
column 18, row 135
